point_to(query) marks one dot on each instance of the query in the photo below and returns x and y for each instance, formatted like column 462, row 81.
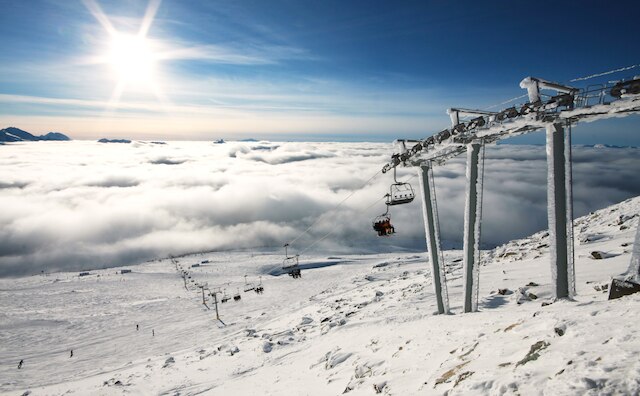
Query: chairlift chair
column 399, row 192
column 382, row 224
column 290, row 264
column 237, row 296
column 225, row 298
column 248, row 286
column 259, row 289
column 295, row 273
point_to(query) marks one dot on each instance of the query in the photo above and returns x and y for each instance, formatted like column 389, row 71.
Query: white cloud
column 78, row 205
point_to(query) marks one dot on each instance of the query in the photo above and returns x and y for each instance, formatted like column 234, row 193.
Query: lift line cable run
column 335, row 207
column 357, row 212
column 506, row 102
column 605, row 73
column 334, row 230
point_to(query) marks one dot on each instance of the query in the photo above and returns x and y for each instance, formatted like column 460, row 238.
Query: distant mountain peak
column 13, row 134
column 55, row 136
column 105, row 140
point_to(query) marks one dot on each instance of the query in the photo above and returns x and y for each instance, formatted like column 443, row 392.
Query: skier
column 71, row 355
column 20, row 364
column 153, row 333
column 137, row 327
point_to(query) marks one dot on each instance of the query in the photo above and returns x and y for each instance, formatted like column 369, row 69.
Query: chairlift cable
column 506, row 102
column 621, row 69
column 334, row 230
column 357, row 212
column 335, row 207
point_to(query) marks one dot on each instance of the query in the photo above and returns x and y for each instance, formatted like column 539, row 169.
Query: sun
column 132, row 58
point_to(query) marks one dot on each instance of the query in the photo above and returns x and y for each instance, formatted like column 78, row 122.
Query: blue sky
column 297, row 70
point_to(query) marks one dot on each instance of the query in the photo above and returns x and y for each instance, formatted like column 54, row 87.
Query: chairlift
column 259, row 289
column 225, row 298
column 290, row 264
column 382, row 224
column 248, row 286
column 399, row 192
column 237, row 296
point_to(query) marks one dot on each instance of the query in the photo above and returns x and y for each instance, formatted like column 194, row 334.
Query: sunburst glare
column 132, row 59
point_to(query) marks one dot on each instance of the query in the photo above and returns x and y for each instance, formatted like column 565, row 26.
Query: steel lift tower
column 559, row 110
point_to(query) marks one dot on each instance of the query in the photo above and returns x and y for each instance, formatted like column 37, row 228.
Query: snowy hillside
column 352, row 324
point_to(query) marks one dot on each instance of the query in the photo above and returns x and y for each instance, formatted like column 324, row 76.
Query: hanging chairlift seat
column 248, row 286
column 290, row 265
column 382, row 225
column 289, row 262
column 259, row 289
column 400, row 193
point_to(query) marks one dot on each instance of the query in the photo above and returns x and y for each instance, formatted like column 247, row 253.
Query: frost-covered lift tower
column 432, row 232
column 559, row 200
column 473, row 206
column 567, row 106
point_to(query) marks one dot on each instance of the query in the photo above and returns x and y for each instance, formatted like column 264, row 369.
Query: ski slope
column 356, row 324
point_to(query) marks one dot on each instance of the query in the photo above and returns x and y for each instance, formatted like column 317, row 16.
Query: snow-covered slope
column 354, row 324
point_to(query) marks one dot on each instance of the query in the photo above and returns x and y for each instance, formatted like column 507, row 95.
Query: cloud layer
column 81, row 205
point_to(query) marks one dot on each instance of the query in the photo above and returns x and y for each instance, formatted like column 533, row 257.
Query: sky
column 295, row 70
column 83, row 205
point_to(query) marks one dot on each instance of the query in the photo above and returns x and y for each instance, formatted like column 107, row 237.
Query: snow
column 531, row 85
column 360, row 324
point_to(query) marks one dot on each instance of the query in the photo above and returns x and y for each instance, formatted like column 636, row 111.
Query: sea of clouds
column 83, row 205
